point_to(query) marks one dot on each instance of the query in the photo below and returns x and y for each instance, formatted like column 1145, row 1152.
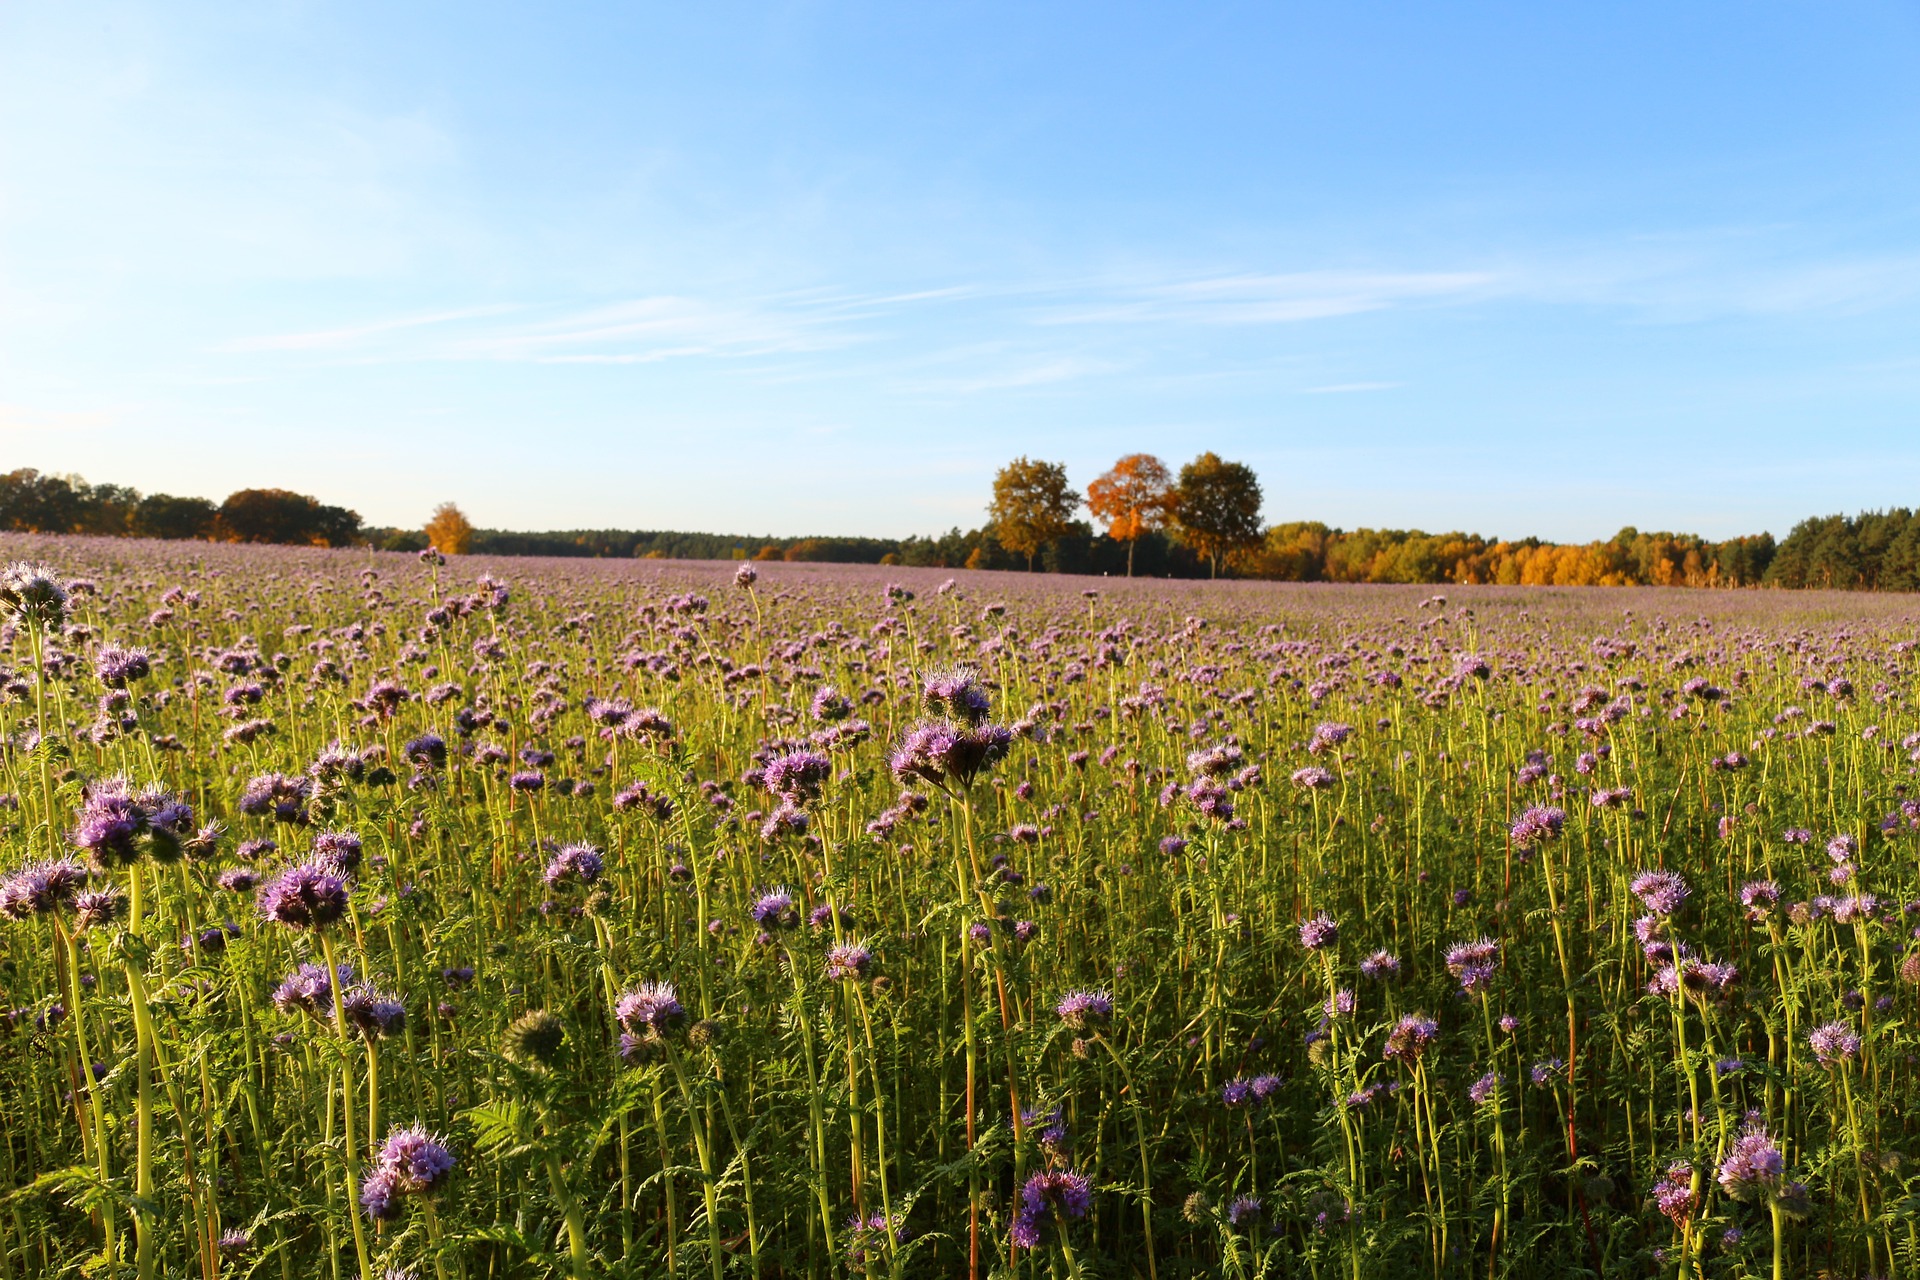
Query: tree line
column 1146, row 518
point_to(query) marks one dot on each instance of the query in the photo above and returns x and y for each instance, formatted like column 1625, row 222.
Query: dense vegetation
column 1875, row 551
column 633, row 920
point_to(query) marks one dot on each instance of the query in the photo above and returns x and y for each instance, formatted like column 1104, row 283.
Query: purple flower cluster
column 412, row 1162
column 1056, row 1194
column 304, row 897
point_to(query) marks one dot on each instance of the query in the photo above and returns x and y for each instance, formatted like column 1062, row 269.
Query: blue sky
column 798, row 268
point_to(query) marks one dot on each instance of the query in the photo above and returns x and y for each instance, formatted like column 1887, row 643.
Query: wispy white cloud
column 1288, row 298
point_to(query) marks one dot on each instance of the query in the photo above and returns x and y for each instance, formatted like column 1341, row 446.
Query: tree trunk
column 1131, row 544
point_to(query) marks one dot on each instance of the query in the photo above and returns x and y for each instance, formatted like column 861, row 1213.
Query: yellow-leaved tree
column 450, row 532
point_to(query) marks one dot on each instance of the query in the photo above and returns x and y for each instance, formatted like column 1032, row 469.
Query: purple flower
column 1216, row 761
column 652, row 1007
column 277, row 795
column 797, row 777
column 1381, row 965
column 1759, row 897
column 1411, row 1036
column 420, row 1161
column 1661, row 891
column 1539, row 823
column 305, row 897
column 115, row 667
column 41, row 888
column 1319, row 933
column 774, row 910
column 380, row 1193
column 1083, row 1009
column 1548, row 1071
column 575, row 864
column 337, row 851
column 97, row 908
column 1834, row 1043
column 1056, row 1193
column 1674, row 1193
column 848, row 960
column 957, row 694
column 1485, row 1088
column 1473, row 964
column 1753, row 1164
column 1313, row 778
column 309, row 990
column 1243, row 1209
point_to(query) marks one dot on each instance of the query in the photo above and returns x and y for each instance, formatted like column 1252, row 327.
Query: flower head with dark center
column 1319, row 933
column 420, row 1160
column 1834, row 1043
column 957, row 694
column 304, row 897
column 1410, row 1037
column 1056, row 1193
column 576, row 864
column 1081, row 1010
column 651, row 1008
column 1753, row 1165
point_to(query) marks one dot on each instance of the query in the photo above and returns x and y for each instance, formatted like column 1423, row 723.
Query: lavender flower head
column 957, row 694
column 309, row 989
column 1380, row 966
column 380, row 1193
column 1410, row 1037
column 1055, row 1194
column 847, row 961
column 338, row 851
column 1484, row 1089
column 1753, row 1165
column 1319, row 933
column 652, row 1007
column 1674, row 1193
column 41, row 888
column 1542, row 822
column 1661, row 891
column 33, row 594
column 116, row 668
column 420, row 1161
column 797, row 777
column 304, row 897
column 575, row 864
column 1083, row 1009
column 774, row 910
column 1834, row 1043
column 1759, row 897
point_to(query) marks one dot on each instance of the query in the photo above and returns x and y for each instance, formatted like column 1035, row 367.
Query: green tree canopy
column 1217, row 509
column 1032, row 505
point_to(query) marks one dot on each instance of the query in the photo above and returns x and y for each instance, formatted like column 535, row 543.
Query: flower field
column 365, row 916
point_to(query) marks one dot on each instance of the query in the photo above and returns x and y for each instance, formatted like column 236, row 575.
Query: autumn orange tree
column 1218, row 511
column 1032, row 505
column 1133, row 498
column 449, row 532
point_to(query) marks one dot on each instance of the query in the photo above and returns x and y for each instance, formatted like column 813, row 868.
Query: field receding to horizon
column 367, row 915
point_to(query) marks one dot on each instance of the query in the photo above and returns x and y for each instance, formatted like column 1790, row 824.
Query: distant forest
column 1876, row 551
